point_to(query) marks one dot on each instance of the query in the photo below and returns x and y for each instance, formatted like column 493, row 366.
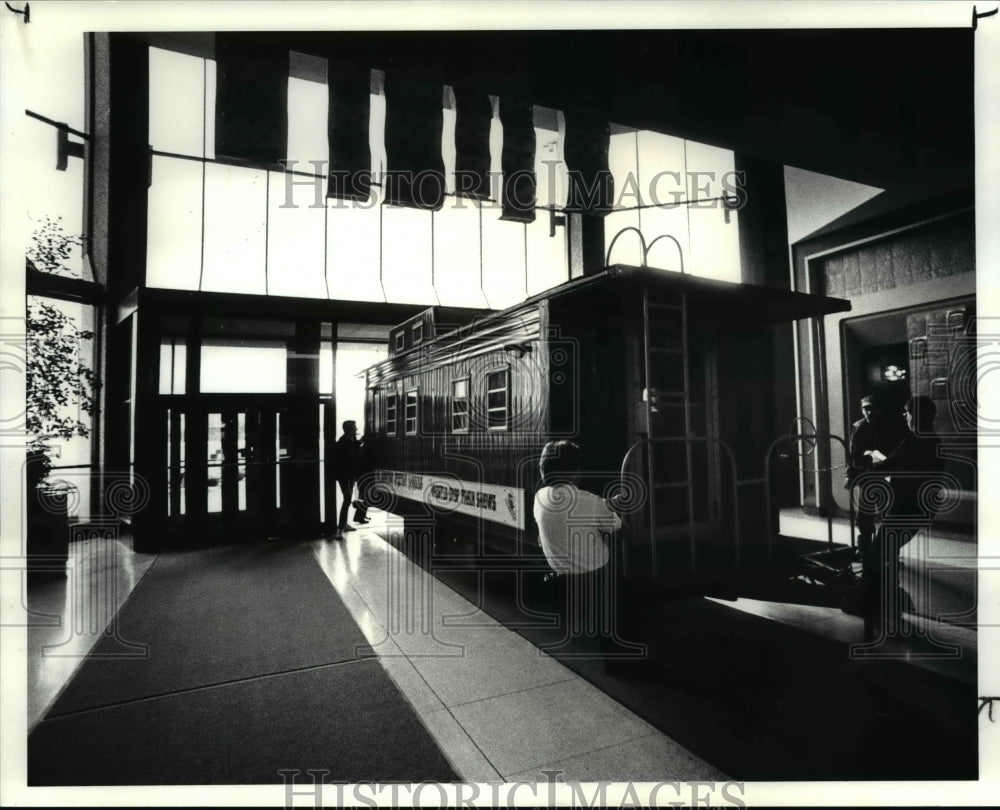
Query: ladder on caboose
column 667, row 374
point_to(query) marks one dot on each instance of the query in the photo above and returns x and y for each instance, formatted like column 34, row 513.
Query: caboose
column 674, row 386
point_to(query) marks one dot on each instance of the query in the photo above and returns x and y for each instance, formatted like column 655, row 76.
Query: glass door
column 244, row 469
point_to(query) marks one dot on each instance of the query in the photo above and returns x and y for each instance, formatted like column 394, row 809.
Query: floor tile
column 547, row 724
column 845, row 628
column 799, row 615
column 462, row 753
column 420, row 629
column 654, row 758
column 490, row 667
column 412, row 684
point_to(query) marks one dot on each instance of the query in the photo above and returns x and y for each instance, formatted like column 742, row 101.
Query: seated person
column 913, row 465
column 572, row 524
column 875, row 431
column 571, row 521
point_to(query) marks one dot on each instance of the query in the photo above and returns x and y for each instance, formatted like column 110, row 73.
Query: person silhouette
column 347, row 466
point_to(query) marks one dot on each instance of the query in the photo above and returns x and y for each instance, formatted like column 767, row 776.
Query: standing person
column 912, row 467
column 875, row 431
column 572, row 524
column 347, row 460
column 367, row 464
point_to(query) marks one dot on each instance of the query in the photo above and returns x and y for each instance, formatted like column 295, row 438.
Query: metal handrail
column 767, row 489
column 732, row 466
column 680, row 251
column 642, row 241
column 645, row 248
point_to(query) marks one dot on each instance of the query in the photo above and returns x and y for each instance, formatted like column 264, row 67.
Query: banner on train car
column 445, row 494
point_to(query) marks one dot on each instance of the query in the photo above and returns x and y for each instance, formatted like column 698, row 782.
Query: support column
column 763, row 234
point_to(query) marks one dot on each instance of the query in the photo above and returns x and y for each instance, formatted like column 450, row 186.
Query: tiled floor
column 498, row 708
column 937, row 646
column 939, row 573
column 67, row 616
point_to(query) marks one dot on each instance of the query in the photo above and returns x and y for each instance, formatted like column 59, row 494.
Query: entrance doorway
column 876, row 362
column 243, row 467
column 906, row 352
column 352, row 360
column 231, row 420
column 921, row 351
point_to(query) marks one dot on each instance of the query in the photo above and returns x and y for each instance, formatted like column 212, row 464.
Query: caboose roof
column 745, row 302
column 728, row 303
column 732, row 301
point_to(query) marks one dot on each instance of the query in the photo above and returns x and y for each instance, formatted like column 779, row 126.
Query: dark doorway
column 876, row 362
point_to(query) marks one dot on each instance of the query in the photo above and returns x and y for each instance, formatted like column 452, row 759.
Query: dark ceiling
column 888, row 107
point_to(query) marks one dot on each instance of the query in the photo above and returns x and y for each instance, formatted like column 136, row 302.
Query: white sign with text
column 446, row 494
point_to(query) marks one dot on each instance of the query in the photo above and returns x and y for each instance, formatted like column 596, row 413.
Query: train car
column 674, row 386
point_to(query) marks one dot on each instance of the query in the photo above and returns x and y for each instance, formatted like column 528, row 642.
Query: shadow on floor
column 758, row 699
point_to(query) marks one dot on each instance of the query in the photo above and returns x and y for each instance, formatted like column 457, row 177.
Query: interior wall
column 914, row 266
column 814, row 200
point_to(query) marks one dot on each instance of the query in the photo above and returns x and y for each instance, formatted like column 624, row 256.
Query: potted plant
column 59, row 384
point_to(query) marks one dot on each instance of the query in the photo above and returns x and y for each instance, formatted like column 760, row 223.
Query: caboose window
column 376, row 411
column 460, row 406
column 390, row 414
column 416, row 334
column 497, row 399
column 411, row 413
column 400, row 340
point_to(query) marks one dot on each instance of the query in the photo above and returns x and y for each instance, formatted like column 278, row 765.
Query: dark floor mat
column 347, row 720
column 254, row 665
column 211, row 617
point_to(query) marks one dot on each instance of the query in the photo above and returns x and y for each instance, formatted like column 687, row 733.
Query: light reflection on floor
column 68, row 615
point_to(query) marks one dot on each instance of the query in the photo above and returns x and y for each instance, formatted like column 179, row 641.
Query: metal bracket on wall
column 976, row 16
column 26, row 12
column 554, row 221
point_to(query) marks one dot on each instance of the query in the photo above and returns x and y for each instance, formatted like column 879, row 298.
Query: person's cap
column 867, row 401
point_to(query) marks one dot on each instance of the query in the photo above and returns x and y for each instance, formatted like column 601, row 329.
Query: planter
column 47, row 522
